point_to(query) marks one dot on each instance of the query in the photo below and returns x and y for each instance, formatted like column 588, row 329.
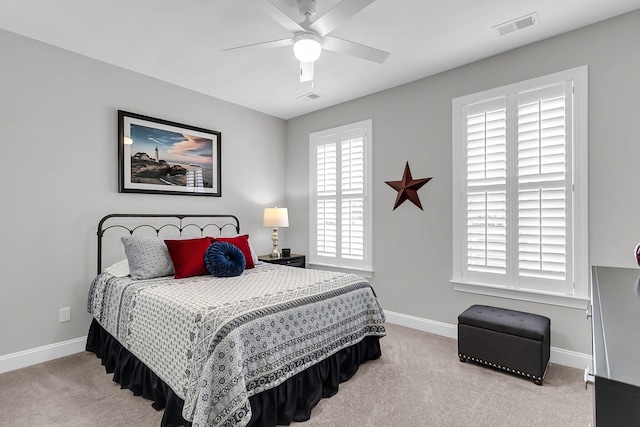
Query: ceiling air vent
column 516, row 24
column 309, row 96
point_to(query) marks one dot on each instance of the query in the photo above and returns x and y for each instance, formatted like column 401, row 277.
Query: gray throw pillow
column 148, row 257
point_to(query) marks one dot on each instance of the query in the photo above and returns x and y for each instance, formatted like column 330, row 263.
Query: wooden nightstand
column 295, row 260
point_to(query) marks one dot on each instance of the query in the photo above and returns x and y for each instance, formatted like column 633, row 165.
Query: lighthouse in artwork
column 157, row 154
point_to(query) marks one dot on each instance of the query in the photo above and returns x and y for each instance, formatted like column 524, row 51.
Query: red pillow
column 242, row 243
column 188, row 256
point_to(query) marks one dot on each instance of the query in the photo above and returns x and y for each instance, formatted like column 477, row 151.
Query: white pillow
column 148, row 257
column 119, row 269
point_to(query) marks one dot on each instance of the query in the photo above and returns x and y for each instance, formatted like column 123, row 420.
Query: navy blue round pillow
column 223, row 259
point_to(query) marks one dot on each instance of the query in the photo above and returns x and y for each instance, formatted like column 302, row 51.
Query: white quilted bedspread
column 217, row 341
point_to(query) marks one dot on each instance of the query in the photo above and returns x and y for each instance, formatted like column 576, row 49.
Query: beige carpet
column 417, row 382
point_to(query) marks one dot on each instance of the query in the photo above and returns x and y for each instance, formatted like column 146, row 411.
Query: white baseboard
column 45, row 353
column 432, row 326
column 559, row 356
column 571, row 358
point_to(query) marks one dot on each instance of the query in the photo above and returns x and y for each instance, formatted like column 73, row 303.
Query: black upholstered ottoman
column 510, row 340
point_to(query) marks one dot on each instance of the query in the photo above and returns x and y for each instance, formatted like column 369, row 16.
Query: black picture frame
column 158, row 156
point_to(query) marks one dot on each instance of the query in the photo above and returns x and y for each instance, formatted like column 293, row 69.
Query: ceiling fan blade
column 335, row 44
column 306, row 71
column 280, row 17
column 337, row 15
column 261, row 45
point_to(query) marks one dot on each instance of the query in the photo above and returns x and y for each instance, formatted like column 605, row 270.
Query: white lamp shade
column 127, row 140
column 276, row 217
column 307, row 48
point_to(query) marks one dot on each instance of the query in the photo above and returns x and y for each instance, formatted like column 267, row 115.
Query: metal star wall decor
column 408, row 188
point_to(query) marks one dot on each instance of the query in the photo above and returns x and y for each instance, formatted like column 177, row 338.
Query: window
column 340, row 197
column 520, row 190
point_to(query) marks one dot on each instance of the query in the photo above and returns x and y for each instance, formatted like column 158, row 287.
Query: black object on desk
column 615, row 304
column 295, row 260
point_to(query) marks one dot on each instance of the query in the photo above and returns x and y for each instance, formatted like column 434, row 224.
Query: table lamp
column 275, row 217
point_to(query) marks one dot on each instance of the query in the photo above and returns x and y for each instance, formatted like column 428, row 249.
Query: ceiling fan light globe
column 307, row 49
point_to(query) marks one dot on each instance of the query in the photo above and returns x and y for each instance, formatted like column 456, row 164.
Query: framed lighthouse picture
column 162, row 157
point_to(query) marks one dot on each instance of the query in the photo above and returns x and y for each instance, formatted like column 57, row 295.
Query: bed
column 256, row 349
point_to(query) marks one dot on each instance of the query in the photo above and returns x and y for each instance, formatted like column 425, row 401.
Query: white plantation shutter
column 353, row 175
column 486, row 187
column 543, row 209
column 340, row 206
column 326, row 206
column 514, row 188
column 327, row 228
column 486, row 232
column 352, row 238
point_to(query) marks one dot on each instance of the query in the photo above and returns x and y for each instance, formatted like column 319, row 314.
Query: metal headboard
column 183, row 222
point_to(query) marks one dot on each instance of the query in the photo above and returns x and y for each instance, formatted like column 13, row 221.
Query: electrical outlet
column 65, row 314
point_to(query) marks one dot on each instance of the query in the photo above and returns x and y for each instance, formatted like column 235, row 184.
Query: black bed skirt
column 292, row 400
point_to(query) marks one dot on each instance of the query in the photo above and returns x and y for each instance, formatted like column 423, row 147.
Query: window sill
column 368, row 274
column 518, row 294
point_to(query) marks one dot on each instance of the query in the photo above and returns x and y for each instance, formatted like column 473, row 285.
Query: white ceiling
column 182, row 41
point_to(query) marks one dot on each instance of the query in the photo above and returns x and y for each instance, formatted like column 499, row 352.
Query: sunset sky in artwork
column 173, row 147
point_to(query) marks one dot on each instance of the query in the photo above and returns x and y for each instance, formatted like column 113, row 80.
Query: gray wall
column 59, row 164
column 58, row 127
column 412, row 253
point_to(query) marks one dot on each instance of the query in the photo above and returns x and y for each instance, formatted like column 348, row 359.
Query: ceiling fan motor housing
column 307, row 7
column 311, row 37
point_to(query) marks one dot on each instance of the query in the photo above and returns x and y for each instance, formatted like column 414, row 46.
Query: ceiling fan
column 311, row 37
